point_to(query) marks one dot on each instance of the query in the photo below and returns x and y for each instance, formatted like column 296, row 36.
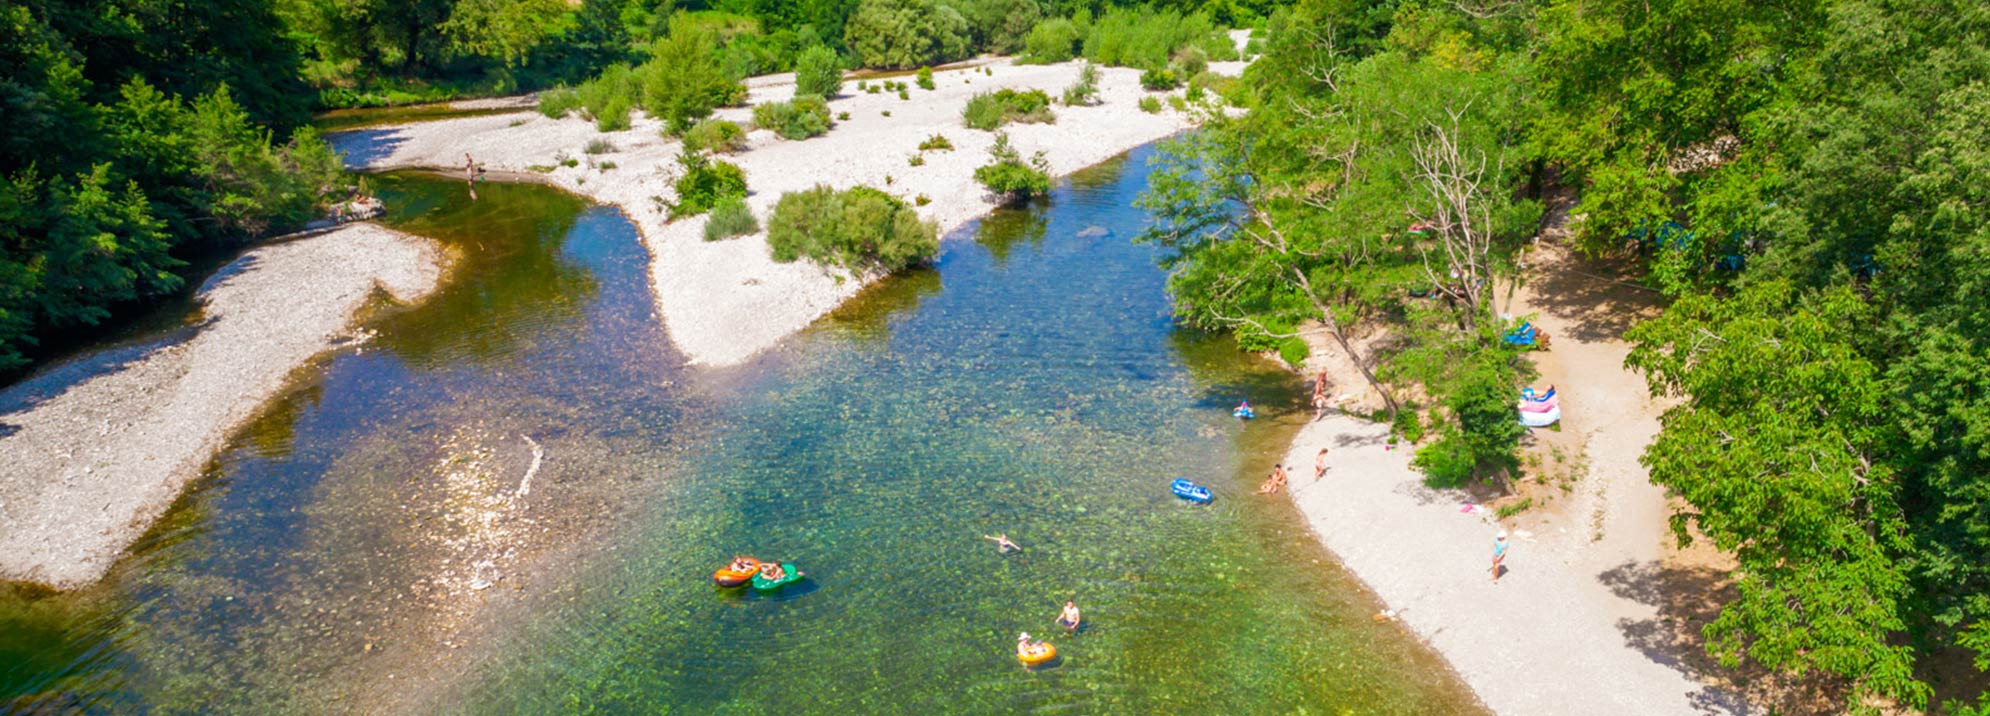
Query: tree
column 903, row 34
column 818, row 72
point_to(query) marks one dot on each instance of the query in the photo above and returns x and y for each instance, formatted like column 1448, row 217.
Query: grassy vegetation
column 988, row 111
column 1085, row 91
column 730, row 218
column 1150, row 104
column 715, row 135
column 937, row 142
column 803, row 117
column 818, row 72
column 861, row 229
column 705, row 183
column 1147, row 38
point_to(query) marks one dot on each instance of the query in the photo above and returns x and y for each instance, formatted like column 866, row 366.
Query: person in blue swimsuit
column 1498, row 555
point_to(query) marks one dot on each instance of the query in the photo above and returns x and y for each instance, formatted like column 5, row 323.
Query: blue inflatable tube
column 1190, row 491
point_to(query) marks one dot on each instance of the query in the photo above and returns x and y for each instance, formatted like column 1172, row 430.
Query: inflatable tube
column 1244, row 412
column 1037, row 653
column 1529, row 394
column 791, row 574
column 1529, row 406
column 1190, row 491
column 1541, row 420
column 728, row 577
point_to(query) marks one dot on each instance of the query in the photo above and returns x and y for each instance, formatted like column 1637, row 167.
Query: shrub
column 1191, row 61
column 874, row 89
column 683, row 82
column 990, row 110
column 704, row 184
column 842, row 116
column 558, row 102
column 715, row 135
column 598, row 146
column 902, row 94
column 1086, row 90
column 1159, row 79
column 818, row 72
column 1010, row 176
column 925, row 78
column 861, row 229
column 1146, row 38
column 803, row 117
column 903, row 34
column 609, row 97
column 999, row 26
column 1150, row 104
column 1051, row 41
column 922, row 200
column 1482, row 434
column 730, row 217
column 917, row 160
column 606, row 166
column 1176, row 103
column 937, row 141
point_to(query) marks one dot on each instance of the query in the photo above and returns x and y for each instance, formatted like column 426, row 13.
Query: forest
column 1807, row 182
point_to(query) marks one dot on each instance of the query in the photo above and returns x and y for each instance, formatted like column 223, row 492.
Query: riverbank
column 724, row 302
column 1579, row 623
column 99, row 447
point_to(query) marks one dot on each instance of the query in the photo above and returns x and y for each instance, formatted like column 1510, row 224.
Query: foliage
column 860, row 229
column 819, row 72
column 1010, row 176
column 683, row 82
column 731, row 217
column 803, row 117
column 988, row 111
column 925, row 78
column 1150, row 104
column 559, row 102
column 1052, row 41
column 903, row 34
column 715, row 135
column 1085, row 91
column 937, row 141
column 998, row 26
column 1159, row 80
column 1146, row 38
column 703, row 183
column 598, row 146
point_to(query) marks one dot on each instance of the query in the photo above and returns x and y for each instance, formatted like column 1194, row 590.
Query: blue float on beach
column 1190, row 491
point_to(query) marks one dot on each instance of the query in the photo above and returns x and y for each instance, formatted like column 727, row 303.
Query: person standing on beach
column 1498, row 555
column 1320, row 465
column 470, row 174
column 1320, row 396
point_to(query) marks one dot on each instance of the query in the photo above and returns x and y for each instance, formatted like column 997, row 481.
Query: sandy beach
column 99, row 447
column 724, row 302
column 1577, row 625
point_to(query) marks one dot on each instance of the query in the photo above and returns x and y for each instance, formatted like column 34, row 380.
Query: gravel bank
column 97, row 448
column 724, row 302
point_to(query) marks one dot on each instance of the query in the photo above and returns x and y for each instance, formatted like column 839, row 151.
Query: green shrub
column 598, row 146
column 917, row 160
column 925, row 78
column 1176, row 103
column 1010, row 176
column 1409, row 425
column 609, row 97
column 861, row 229
column 1051, row 41
column 1147, row 38
column 818, row 72
column 1159, row 79
column 803, row 117
column 902, row 94
column 903, row 34
column 1191, row 61
column 715, row 135
column 1444, row 463
column 606, row 166
column 704, row 184
column 1086, row 90
column 842, row 116
column 1150, row 104
column 988, row 111
column 937, row 141
column 558, row 102
column 683, row 82
column 922, row 200
column 874, row 89
column 730, row 217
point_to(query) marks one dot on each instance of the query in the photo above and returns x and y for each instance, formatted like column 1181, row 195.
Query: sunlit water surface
column 1031, row 384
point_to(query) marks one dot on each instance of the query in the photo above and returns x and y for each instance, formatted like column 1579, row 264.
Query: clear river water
column 510, row 498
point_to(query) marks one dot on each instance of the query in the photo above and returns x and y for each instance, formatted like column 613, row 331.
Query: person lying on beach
column 1069, row 619
column 1002, row 543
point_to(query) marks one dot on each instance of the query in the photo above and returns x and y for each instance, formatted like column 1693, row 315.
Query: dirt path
column 1578, row 625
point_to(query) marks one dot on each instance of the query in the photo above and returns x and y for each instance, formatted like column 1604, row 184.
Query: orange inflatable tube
column 728, row 577
column 1036, row 654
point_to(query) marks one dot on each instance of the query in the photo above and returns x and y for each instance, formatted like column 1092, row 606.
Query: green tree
column 903, row 34
column 818, row 71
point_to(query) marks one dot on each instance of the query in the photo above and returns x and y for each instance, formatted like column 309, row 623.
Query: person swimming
column 1070, row 619
column 1002, row 543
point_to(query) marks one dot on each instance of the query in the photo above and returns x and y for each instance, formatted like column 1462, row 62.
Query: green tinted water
column 1032, row 383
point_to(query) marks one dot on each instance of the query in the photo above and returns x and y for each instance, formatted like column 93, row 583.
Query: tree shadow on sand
column 1596, row 297
column 1688, row 598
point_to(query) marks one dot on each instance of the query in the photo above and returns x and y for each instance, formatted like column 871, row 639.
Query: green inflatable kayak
column 789, row 575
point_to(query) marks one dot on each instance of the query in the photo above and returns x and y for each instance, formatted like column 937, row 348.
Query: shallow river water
column 373, row 543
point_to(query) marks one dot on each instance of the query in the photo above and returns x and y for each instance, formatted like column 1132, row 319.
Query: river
column 371, row 542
